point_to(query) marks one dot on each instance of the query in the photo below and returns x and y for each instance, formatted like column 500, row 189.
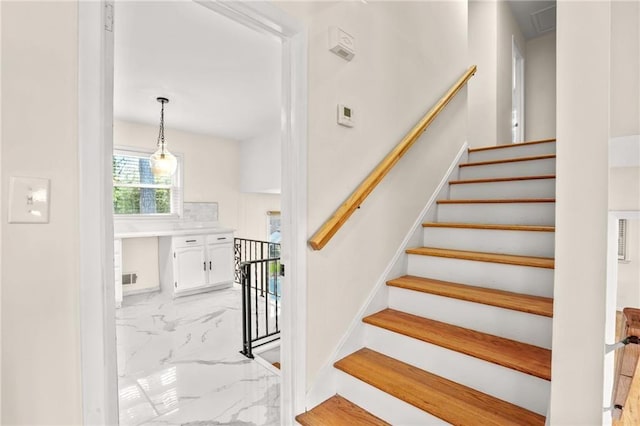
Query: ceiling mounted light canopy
column 163, row 163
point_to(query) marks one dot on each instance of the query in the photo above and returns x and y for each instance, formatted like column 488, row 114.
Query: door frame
column 517, row 90
column 95, row 132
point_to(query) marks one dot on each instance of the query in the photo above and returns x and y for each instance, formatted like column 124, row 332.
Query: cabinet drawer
column 220, row 238
column 188, row 241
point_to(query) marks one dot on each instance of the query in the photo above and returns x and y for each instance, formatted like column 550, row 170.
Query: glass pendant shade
column 163, row 163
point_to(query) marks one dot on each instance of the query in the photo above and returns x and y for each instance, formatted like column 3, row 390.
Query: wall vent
column 129, row 278
column 544, row 20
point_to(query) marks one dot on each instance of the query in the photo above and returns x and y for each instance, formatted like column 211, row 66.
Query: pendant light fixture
column 163, row 163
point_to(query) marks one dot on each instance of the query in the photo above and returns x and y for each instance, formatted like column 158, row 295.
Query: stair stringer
column 326, row 383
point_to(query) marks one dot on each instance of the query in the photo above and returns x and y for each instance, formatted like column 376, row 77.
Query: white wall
column 507, row 29
column 40, row 285
column 407, row 56
column 252, row 216
column 625, row 68
column 624, row 194
column 583, row 43
column 140, row 256
column 540, row 88
column 483, row 35
column 624, row 188
column 260, row 171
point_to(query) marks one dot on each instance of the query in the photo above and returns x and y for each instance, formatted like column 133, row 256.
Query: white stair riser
column 381, row 404
column 534, row 188
column 513, row 169
column 518, row 279
column 513, row 151
column 476, row 316
column 523, row 243
column 504, row 383
column 498, row 213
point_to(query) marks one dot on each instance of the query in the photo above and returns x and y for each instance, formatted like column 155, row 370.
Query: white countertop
column 158, row 228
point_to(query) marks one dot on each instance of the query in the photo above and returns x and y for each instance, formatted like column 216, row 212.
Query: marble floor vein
column 178, row 363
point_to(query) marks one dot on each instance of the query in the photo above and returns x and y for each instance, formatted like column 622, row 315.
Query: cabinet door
column 190, row 268
column 221, row 268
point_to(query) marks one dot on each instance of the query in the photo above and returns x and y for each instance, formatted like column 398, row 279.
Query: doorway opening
column 96, row 58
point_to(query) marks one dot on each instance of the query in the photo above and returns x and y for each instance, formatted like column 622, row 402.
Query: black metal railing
column 260, row 281
column 258, row 271
column 246, row 250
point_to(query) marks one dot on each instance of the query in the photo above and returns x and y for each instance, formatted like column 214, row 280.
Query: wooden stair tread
column 508, row 259
column 443, row 398
column 502, row 179
column 338, row 411
column 512, row 145
column 498, row 201
column 531, row 228
column 276, row 365
column 508, row 353
column 509, row 160
column 536, row 305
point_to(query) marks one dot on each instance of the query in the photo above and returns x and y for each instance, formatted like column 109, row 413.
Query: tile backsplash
column 200, row 212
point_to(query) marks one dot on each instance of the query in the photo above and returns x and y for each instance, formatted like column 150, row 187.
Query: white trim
column 99, row 372
column 97, row 301
column 517, row 68
column 325, row 384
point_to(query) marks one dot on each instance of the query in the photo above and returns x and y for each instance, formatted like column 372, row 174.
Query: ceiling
column 221, row 78
column 534, row 17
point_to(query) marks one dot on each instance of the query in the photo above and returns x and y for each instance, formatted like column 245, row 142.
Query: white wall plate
column 28, row 200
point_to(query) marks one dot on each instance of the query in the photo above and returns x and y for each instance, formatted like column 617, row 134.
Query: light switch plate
column 28, row 200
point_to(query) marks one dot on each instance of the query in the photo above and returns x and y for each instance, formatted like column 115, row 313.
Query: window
column 137, row 192
column 622, row 239
column 273, row 230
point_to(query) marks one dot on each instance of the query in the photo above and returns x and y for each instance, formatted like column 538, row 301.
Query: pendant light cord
column 161, row 133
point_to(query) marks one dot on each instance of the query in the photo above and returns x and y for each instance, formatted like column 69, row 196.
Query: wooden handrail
column 626, row 361
column 340, row 216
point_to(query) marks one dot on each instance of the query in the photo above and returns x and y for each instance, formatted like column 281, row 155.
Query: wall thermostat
column 341, row 43
column 345, row 116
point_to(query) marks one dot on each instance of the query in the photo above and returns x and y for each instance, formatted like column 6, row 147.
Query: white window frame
column 176, row 188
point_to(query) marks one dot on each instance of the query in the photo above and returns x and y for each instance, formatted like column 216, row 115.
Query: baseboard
column 324, row 385
column 140, row 291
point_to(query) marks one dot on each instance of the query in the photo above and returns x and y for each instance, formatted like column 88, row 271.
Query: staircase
column 466, row 337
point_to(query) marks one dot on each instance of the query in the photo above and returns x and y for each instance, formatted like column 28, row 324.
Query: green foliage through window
column 135, row 189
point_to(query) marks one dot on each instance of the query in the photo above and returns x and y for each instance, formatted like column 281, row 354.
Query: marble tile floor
column 178, row 363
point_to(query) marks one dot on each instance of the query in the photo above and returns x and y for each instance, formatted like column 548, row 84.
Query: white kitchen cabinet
column 190, row 268
column 220, row 268
column 193, row 263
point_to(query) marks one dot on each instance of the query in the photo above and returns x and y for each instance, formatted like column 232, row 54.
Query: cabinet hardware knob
column 191, row 241
column 209, row 265
column 205, row 265
column 222, row 238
